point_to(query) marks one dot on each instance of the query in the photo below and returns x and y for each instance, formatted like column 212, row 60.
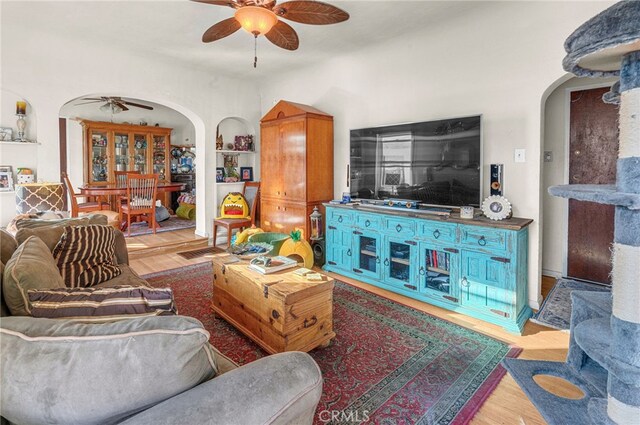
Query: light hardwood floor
column 507, row 404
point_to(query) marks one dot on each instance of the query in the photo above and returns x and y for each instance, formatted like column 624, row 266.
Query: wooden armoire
column 296, row 166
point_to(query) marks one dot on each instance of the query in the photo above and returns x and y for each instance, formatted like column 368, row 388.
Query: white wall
column 555, row 213
column 54, row 69
column 497, row 61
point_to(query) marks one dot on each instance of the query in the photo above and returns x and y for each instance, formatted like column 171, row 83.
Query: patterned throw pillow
column 85, row 255
column 102, row 304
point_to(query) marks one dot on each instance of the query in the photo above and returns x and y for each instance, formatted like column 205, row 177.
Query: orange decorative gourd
column 296, row 245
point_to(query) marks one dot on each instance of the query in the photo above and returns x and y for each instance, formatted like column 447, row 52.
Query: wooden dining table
column 117, row 190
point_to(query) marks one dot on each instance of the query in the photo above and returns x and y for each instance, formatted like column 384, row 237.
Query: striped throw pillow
column 101, row 304
column 85, row 255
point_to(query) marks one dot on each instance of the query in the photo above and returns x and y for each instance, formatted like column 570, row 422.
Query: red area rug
column 389, row 364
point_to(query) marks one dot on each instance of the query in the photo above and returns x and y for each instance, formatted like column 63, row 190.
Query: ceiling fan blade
column 229, row 3
column 137, row 105
column 221, row 30
column 121, row 106
column 94, row 98
column 282, row 35
column 310, row 12
column 86, row 103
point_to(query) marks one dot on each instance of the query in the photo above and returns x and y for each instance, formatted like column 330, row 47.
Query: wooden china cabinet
column 296, row 166
column 113, row 147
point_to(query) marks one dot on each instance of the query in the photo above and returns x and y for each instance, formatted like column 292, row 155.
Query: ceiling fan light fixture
column 106, row 107
column 256, row 20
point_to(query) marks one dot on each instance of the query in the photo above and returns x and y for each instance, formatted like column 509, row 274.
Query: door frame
column 565, row 171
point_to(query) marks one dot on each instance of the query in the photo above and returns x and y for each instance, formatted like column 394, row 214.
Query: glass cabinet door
column 367, row 255
column 159, row 156
column 140, row 153
column 99, row 157
column 437, row 265
column 398, row 263
column 122, row 152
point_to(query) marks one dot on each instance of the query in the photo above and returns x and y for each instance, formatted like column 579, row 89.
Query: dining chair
column 81, row 207
column 121, row 181
column 251, row 193
column 141, row 200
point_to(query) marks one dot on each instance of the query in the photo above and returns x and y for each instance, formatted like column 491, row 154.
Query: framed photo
column 6, row 179
column 219, row 174
column 6, row 134
column 6, row 169
column 246, row 174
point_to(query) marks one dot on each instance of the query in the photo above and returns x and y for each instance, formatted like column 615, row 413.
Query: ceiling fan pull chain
column 255, row 50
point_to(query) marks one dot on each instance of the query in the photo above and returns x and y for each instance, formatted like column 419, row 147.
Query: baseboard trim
column 551, row 273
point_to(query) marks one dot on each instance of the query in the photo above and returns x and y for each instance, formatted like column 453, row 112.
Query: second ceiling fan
column 262, row 17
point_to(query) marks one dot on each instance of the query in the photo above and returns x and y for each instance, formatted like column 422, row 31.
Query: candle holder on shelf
column 21, row 113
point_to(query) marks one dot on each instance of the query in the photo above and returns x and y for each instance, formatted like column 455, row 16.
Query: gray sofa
column 149, row 370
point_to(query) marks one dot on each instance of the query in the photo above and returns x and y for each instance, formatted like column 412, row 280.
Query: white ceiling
column 173, row 29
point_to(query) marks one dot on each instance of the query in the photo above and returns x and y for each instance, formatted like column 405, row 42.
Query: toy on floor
column 243, row 236
column 234, row 206
column 296, row 245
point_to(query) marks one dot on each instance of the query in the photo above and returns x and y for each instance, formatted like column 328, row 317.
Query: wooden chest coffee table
column 280, row 311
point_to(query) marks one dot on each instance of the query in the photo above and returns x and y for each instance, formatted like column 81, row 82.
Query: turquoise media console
column 476, row 267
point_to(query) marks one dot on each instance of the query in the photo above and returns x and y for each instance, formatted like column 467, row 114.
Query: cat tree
column 604, row 348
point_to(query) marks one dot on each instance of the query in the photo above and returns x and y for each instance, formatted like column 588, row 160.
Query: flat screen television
column 434, row 162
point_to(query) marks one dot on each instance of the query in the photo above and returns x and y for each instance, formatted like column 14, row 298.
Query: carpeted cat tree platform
column 604, row 349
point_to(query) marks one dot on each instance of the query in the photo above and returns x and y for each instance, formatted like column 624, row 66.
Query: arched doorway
column 187, row 133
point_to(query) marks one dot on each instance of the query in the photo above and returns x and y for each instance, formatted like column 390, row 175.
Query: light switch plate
column 519, row 155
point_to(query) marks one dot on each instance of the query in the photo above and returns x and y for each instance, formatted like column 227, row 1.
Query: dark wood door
column 593, row 152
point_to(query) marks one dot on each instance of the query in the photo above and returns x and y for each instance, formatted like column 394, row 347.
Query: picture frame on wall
column 6, row 178
column 246, row 174
column 219, row 174
column 6, row 134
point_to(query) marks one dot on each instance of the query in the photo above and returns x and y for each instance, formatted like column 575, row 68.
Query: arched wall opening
column 555, row 141
column 191, row 132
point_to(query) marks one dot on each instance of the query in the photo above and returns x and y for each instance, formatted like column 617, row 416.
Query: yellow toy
column 234, row 206
column 243, row 236
column 296, row 245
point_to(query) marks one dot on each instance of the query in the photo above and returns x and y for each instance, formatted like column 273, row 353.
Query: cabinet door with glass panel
column 123, row 157
column 159, row 158
column 140, row 150
column 98, row 146
column 400, row 256
column 438, row 272
column 367, row 253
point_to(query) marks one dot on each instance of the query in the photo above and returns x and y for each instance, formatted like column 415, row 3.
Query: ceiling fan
column 113, row 104
column 262, row 17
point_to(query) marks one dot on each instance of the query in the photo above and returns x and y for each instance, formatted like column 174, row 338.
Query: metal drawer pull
column 464, row 282
column 482, row 241
column 356, row 232
column 349, row 252
column 436, row 233
column 357, row 271
column 422, row 271
column 398, row 228
column 333, row 228
column 452, row 250
column 501, row 259
column 332, row 263
column 414, row 243
column 450, row 298
column 367, row 223
column 308, row 323
column 339, row 219
column 386, row 261
column 411, row 287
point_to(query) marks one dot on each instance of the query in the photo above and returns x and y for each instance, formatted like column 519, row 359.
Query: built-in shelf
column 21, row 143
column 227, row 152
column 230, row 182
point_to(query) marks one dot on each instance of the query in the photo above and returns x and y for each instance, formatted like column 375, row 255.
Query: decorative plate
column 496, row 207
